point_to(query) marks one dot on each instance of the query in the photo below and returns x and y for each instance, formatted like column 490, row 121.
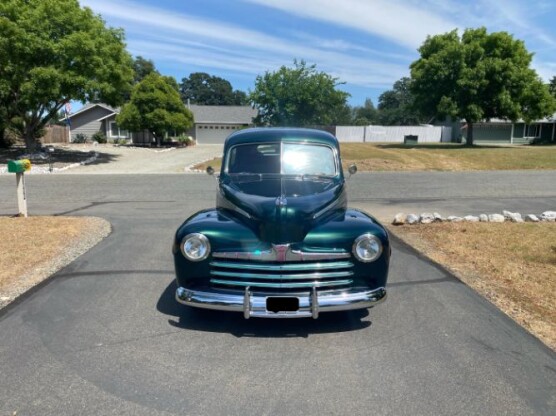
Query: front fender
column 341, row 230
column 225, row 233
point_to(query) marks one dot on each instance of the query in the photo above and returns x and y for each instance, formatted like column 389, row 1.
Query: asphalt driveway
column 106, row 337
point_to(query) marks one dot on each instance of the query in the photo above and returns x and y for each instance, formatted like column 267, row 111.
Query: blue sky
column 368, row 44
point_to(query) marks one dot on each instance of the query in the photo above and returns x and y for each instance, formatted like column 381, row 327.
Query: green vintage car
column 281, row 242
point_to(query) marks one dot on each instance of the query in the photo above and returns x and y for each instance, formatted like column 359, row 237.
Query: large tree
column 298, row 96
column 204, row 89
column 54, row 51
column 552, row 86
column 141, row 68
column 365, row 114
column 156, row 106
column 396, row 106
column 478, row 76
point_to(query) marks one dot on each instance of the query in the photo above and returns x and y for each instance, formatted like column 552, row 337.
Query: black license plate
column 282, row 304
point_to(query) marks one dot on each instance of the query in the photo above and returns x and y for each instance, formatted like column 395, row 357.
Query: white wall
column 392, row 134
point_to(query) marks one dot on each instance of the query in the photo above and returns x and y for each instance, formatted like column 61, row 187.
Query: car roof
column 274, row 134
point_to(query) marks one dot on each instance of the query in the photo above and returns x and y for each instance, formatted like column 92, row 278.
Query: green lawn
column 439, row 157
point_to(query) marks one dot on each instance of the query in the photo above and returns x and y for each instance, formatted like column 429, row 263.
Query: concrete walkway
column 116, row 160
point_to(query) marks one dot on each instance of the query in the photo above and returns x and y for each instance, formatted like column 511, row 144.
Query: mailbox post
column 19, row 167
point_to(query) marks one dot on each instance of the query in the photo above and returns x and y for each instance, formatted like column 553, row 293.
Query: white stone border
column 428, row 218
column 36, row 170
column 189, row 168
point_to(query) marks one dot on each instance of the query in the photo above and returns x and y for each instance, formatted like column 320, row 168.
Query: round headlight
column 195, row 247
column 367, row 248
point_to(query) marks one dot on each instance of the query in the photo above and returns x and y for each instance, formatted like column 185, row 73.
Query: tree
column 478, row 76
column 396, row 105
column 366, row 114
column 54, row 51
column 156, row 106
column 552, row 86
column 204, row 89
column 141, row 68
column 240, row 98
column 298, row 96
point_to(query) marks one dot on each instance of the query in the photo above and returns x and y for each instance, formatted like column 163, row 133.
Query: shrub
column 122, row 141
column 99, row 137
column 80, row 138
column 537, row 141
column 186, row 140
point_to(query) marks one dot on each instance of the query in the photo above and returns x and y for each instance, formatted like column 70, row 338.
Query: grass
column 513, row 265
column 28, row 243
column 216, row 163
column 446, row 157
column 439, row 157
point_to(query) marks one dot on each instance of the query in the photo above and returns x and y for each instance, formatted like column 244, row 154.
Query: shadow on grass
column 60, row 156
column 446, row 146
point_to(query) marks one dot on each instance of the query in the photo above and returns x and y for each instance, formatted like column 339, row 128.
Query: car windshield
column 282, row 158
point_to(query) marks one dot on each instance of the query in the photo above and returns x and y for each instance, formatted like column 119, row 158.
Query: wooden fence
column 55, row 134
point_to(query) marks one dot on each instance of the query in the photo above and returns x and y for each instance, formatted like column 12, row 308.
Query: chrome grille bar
column 288, row 285
column 283, row 267
column 289, row 255
column 298, row 276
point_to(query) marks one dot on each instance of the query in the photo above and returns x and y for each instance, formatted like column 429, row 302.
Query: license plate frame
column 277, row 304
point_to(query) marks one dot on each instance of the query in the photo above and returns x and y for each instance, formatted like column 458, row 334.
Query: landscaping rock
column 471, row 218
column 496, row 218
column 453, row 218
column 399, row 219
column 483, row 218
column 427, row 218
column 548, row 216
column 437, row 217
column 512, row 216
column 412, row 219
column 531, row 218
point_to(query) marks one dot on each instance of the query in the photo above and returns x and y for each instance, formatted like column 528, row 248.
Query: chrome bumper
column 254, row 305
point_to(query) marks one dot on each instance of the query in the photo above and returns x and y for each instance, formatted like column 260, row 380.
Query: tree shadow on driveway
column 196, row 319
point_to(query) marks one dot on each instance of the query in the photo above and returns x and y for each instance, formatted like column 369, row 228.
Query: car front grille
column 281, row 276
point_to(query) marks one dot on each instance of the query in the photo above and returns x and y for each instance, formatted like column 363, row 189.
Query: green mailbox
column 19, row 166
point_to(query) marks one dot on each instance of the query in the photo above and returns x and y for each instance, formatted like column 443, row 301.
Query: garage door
column 213, row 133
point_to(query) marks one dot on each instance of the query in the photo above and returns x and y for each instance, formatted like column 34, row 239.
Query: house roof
column 89, row 106
column 549, row 119
column 116, row 112
column 224, row 114
column 227, row 114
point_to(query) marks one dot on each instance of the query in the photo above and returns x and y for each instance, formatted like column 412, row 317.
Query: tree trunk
column 157, row 139
column 31, row 143
column 3, row 142
column 469, row 141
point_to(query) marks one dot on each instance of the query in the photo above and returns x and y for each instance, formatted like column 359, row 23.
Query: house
column 95, row 117
column 499, row 131
column 212, row 124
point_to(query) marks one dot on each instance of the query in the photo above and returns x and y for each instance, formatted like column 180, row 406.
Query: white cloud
column 173, row 37
column 399, row 21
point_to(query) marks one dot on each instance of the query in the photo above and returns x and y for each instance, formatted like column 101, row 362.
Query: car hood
column 282, row 210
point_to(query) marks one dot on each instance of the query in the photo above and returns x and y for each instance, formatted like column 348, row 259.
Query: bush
column 80, row 138
column 99, row 137
column 122, row 141
column 537, row 141
column 186, row 140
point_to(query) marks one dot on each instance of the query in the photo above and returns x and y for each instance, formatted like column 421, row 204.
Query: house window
column 533, row 130
column 116, row 132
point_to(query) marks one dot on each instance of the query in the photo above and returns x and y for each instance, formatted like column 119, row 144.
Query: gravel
column 97, row 230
